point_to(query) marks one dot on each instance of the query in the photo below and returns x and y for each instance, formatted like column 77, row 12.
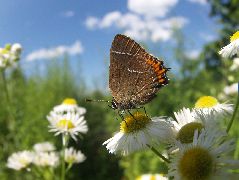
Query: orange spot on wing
column 158, row 69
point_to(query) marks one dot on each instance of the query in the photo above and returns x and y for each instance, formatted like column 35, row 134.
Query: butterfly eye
column 114, row 105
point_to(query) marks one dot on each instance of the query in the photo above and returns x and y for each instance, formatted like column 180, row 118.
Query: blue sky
column 85, row 28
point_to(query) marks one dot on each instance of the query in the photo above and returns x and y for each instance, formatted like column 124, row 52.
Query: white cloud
column 138, row 27
column 143, row 21
column 91, row 22
column 151, row 8
column 201, row 2
column 43, row 53
column 110, row 18
column 193, row 54
column 68, row 14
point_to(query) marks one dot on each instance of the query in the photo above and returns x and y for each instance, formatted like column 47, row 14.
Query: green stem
column 69, row 167
column 233, row 115
column 38, row 173
column 9, row 104
column 158, row 153
column 5, row 86
column 52, row 172
column 63, row 164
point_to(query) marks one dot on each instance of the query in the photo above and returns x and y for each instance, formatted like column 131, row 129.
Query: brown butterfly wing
column 135, row 76
column 122, row 50
column 152, row 81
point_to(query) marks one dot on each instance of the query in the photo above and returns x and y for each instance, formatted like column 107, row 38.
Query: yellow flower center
column 64, row 123
column 69, row 101
column 23, row 161
column 235, row 36
column 186, row 133
column 153, row 177
column 134, row 123
column 70, row 159
column 206, row 102
column 196, row 163
column 4, row 51
column 138, row 178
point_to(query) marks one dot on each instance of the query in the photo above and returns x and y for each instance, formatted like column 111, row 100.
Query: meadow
column 28, row 98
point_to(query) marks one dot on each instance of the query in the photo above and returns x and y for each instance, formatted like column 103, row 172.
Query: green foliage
column 143, row 163
column 31, row 99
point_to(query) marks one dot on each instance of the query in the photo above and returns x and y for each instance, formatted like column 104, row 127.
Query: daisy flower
column 231, row 90
column 209, row 104
column 16, row 49
column 69, row 105
column 139, row 132
column 20, row 160
column 14, row 53
column 152, row 177
column 3, row 59
column 44, row 147
column 204, row 158
column 232, row 48
column 68, row 124
column 186, row 122
column 235, row 64
column 9, row 55
column 44, row 159
column 74, row 156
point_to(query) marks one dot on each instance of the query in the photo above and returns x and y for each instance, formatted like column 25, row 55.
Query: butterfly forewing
column 135, row 76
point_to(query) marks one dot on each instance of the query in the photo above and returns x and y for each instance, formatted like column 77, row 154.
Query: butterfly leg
column 122, row 117
column 144, row 111
column 131, row 114
column 120, row 114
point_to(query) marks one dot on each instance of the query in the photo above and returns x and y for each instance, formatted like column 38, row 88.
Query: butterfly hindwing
column 135, row 76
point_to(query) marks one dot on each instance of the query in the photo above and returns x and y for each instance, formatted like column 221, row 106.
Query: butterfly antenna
column 93, row 100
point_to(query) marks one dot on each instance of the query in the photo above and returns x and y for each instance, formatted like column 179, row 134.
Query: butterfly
column 135, row 76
